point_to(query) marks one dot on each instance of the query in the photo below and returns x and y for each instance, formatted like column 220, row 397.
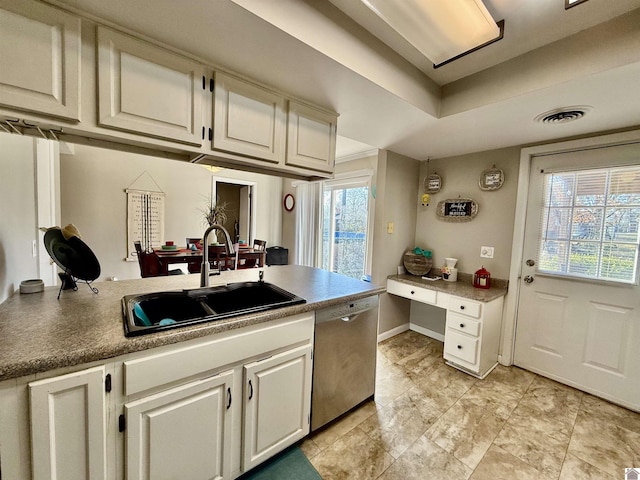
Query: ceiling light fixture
column 440, row 30
column 572, row 3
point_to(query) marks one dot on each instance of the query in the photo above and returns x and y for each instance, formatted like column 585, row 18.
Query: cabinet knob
column 462, row 325
column 412, row 292
column 459, row 347
column 461, row 307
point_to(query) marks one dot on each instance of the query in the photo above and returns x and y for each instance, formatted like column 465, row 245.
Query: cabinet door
column 311, row 138
column 248, row 119
column 145, row 89
column 68, row 433
column 277, row 399
column 40, row 59
column 184, row 432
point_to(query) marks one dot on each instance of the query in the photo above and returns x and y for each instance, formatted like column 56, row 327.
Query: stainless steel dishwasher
column 344, row 358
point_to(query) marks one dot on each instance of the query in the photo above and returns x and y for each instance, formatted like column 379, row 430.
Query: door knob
column 528, row 279
column 531, row 262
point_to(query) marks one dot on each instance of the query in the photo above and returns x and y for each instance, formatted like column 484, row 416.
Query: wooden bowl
column 417, row 264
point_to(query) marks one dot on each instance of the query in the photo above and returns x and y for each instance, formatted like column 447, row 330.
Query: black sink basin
column 153, row 312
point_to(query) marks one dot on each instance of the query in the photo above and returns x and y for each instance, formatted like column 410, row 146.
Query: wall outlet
column 390, row 227
column 486, row 252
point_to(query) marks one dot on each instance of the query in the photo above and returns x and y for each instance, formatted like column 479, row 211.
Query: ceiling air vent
column 563, row 115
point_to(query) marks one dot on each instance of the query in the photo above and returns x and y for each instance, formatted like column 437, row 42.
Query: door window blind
column 589, row 226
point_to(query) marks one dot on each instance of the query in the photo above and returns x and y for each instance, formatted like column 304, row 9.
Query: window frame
column 601, row 243
column 354, row 179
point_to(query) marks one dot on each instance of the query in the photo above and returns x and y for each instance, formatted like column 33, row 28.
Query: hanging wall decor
column 491, row 179
column 457, row 210
column 145, row 214
column 432, row 182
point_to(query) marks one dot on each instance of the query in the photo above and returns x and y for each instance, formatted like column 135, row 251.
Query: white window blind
column 589, row 226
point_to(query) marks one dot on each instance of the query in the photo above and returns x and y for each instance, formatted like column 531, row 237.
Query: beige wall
column 93, row 183
column 18, row 227
column 396, row 201
column 493, row 225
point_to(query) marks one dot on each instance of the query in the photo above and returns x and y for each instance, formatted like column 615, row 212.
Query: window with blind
column 346, row 226
column 589, row 226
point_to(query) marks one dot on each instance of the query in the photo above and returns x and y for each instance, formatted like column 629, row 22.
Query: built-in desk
column 473, row 318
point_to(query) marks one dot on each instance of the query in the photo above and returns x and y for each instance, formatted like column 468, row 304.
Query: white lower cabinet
column 472, row 330
column 276, row 404
column 207, row 408
column 68, row 428
column 184, row 432
column 215, row 408
column 472, row 336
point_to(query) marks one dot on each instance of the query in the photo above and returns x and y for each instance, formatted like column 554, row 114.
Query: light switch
column 390, row 227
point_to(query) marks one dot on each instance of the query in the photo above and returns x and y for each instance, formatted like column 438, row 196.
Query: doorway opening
column 238, row 197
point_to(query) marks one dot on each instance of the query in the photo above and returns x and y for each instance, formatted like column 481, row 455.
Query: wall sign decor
column 457, row 209
column 491, row 179
column 432, row 183
column 289, row 202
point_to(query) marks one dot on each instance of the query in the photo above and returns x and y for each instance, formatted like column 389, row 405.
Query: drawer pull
column 461, row 307
column 459, row 347
column 412, row 292
column 462, row 325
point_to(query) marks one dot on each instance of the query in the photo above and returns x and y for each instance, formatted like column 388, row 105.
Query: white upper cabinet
column 145, row 89
column 311, row 138
column 248, row 119
column 39, row 59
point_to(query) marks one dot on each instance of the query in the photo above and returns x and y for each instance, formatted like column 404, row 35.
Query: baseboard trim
column 427, row 332
column 393, row 332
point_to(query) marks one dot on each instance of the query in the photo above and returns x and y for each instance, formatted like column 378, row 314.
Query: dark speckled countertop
column 39, row 333
column 462, row 288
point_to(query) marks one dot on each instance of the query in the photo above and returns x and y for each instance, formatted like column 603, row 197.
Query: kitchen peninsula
column 215, row 379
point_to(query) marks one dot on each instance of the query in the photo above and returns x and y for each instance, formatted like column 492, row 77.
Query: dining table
column 247, row 258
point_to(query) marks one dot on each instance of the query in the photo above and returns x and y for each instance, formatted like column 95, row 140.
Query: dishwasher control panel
column 346, row 309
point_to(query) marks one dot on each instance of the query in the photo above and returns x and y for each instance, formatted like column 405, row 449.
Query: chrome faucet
column 204, row 268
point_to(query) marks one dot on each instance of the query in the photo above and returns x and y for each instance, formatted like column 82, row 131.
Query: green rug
column 289, row 465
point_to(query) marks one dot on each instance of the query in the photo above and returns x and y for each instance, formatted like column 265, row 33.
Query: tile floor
column 430, row 421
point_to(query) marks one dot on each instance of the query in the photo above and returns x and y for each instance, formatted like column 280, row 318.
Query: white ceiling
column 338, row 54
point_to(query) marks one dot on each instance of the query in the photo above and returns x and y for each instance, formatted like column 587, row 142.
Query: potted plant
column 214, row 213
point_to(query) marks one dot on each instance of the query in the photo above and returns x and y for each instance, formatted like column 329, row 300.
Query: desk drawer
column 460, row 346
column 463, row 324
column 412, row 292
column 465, row 307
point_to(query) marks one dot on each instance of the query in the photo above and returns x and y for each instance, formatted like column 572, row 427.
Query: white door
column 277, row 404
column 184, row 432
column 68, row 433
column 578, row 317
